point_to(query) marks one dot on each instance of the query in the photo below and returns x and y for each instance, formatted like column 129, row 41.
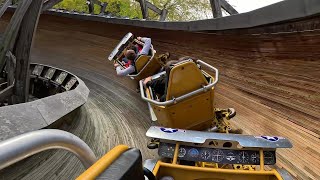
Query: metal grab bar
column 185, row 96
column 20, row 147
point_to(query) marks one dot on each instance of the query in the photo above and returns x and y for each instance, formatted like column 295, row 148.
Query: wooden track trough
column 269, row 74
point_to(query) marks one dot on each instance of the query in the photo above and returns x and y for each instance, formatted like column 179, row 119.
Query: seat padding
column 184, row 78
column 141, row 62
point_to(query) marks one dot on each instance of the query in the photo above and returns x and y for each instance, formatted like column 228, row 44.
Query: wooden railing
column 17, row 41
column 7, row 92
column 4, row 5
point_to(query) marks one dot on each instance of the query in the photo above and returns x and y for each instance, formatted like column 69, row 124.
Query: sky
column 248, row 5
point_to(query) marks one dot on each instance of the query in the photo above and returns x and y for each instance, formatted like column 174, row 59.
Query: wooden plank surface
column 272, row 80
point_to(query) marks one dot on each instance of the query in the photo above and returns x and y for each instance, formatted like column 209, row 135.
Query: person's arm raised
column 147, row 45
column 124, row 72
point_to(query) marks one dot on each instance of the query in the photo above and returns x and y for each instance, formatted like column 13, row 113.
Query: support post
column 163, row 15
column 7, row 92
column 4, row 6
column 227, row 7
column 103, row 8
column 144, row 9
column 91, row 6
column 216, row 8
column 10, row 35
column 153, row 7
column 11, row 68
column 22, row 51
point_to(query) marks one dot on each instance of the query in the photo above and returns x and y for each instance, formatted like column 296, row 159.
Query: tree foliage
column 184, row 10
column 178, row 10
column 73, row 5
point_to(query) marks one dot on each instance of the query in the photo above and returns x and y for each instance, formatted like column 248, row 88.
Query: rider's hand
column 146, row 81
column 115, row 64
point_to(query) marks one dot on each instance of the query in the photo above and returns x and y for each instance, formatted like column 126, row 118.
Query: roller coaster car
column 189, row 100
column 146, row 65
column 190, row 155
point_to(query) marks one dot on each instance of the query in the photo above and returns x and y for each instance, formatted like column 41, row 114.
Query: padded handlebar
column 185, row 96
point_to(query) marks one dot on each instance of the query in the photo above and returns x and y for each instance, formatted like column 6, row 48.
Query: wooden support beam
column 49, row 4
column 103, row 8
column 6, row 93
column 22, row 51
column 91, row 6
column 163, row 15
column 11, row 68
column 153, row 7
column 216, row 8
column 2, row 80
column 10, row 34
column 3, row 84
column 144, row 9
column 227, row 7
column 145, row 5
column 4, row 6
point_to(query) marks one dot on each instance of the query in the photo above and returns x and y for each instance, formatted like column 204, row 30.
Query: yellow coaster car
column 194, row 155
column 146, row 65
column 189, row 100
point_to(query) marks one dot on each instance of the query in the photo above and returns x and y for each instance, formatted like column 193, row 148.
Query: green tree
column 73, row 5
column 184, row 10
column 124, row 8
column 178, row 10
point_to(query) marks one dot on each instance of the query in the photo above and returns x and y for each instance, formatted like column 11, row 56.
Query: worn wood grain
column 4, row 4
column 11, row 67
column 5, row 93
column 10, row 34
column 272, row 80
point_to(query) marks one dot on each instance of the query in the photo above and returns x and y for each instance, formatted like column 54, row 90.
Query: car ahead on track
column 146, row 65
column 189, row 102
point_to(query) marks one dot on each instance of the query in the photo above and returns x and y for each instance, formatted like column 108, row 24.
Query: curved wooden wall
column 272, row 79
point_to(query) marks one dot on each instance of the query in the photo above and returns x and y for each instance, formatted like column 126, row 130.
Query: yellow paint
column 196, row 112
column 148, row 69
column 156, row 167
column 103, row 163
column 212, row 171
column 184, row 78
column 192, row 172
column 141, row 62
column 261, row 160
column 148, row 93
column 176, row 153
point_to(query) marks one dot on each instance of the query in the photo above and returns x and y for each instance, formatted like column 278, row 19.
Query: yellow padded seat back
column 141, row 62
column 184, row 77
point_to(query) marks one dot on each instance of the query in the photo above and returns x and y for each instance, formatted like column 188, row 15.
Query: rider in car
column 159, row 85
column 131, row 55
